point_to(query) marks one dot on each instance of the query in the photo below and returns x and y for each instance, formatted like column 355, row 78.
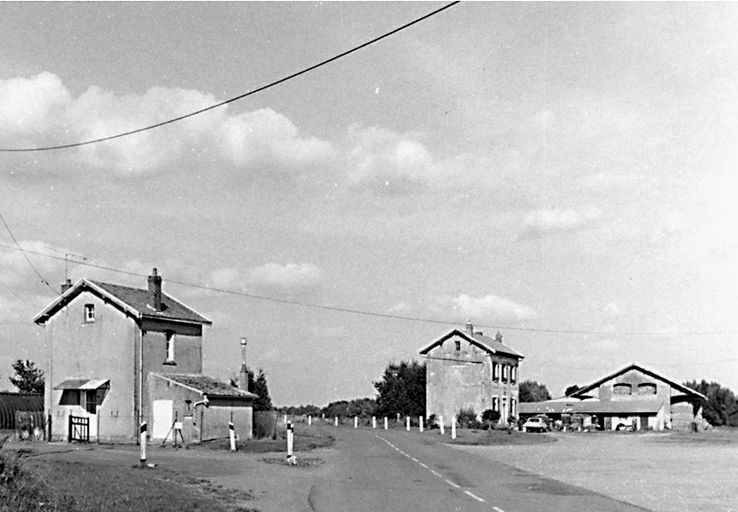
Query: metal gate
column 79, row 429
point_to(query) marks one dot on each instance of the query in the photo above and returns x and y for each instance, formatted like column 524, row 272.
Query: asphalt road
column 378, row 470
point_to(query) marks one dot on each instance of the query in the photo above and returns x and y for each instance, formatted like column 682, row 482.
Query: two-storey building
column 467, row 370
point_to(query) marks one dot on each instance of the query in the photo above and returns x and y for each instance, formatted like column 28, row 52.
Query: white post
column 453, row 427
column 385, row 422
column 443, row 429
column 290, row 439
column 356, row 422
column 374, row 422
column 310, row 420
column 142, row 440
column 285, row 421
column 407, row 423
column 335, row 422
column 420, row 420
column 232, row 434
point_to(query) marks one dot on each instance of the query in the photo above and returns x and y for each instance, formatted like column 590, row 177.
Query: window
column 513, row 374
column 170, row 346
column 512, row 407
column 505, row 371
column 88, row 399
column 647, row 389
column 495, row 403
column 458, row 345
column 89, row 313
column 621, row 389
column 496, row 372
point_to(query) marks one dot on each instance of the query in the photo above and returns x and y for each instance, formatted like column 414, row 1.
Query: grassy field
column 87, row 478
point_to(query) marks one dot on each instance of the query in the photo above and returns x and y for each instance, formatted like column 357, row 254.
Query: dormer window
column 89, row 313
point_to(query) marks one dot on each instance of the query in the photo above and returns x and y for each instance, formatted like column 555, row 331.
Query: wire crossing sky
column 236, row 98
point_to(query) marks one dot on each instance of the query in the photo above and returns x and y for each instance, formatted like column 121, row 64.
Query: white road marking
column 469, row 493
column 449, row 482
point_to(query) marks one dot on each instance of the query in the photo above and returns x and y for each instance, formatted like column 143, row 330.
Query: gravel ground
column 661, row 472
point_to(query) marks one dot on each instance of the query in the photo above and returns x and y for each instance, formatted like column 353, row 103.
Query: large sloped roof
column 206, row 385
column 582, row 392
column 134, row 301
column 484, row 342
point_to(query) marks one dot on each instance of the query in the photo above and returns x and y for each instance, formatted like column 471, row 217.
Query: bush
column 467, row 418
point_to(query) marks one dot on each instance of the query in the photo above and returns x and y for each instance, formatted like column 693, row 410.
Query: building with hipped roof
column 119, row 355
column 467, row 370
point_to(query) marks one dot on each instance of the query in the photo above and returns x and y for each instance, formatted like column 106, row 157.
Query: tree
column 402, row 390
column 721, row 405
column 28, row 378
column 532, row 391
column 571, row 389
column 263, row 402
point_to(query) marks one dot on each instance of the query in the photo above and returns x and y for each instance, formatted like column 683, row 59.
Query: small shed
column 201, row 406
column 11, row 403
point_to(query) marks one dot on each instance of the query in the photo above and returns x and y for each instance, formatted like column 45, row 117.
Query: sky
column 564, row 173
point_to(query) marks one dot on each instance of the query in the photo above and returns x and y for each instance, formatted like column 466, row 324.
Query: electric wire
column 375, row 314
column 239, row 97
column 10, row 232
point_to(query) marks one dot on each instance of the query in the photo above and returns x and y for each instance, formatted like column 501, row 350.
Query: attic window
column 458, row 345
column 647, row 389
column 622, row 389
column 89, row 313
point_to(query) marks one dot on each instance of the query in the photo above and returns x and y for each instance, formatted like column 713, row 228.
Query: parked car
column 535, row 424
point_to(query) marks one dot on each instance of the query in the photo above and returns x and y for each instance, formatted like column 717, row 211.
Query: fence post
column 443, row 429
column 142, row 440
column 335, row 422
column 374, row 422
column 453, row 427
column 385, row 422
column 407, row 423
column 356, row 422
column 290, row 441
column 420, row 420
column 310, row 420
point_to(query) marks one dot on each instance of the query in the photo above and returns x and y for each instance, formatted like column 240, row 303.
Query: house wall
column 187, row 354
column 462, row 379
column 639, row 383
column 103, row 349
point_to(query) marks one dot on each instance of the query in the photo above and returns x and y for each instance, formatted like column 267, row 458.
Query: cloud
column 43, row 111
column 486, row 308
column 545, row 222
column 288, row 276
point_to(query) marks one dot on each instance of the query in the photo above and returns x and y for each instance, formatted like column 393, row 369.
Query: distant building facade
column 467, row 370
column 632, row 397
column 119, row 355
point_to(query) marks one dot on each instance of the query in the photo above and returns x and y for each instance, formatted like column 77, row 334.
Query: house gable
column 483, row 344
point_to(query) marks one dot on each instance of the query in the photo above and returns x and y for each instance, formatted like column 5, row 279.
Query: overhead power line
column 43, row 280
column 340, row 309
column 239, row 97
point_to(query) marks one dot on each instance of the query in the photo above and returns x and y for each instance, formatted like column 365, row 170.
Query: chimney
column 243, row 377
column 66, row 286
column 469, row 328
column 498, row 337
column 155, row 289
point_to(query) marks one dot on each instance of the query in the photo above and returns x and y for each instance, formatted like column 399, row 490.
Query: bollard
column 290, row 440
column 142, row 440
column 420, row 420
column 310, row 420
column 453, row 427
column 232, row 435
column 443, row 429
column 335, row 422
column 374, row 422
column 356, row 422
column 407, row 423
column 385, row 422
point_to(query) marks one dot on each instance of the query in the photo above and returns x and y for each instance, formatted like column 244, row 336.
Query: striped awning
column 89, row 384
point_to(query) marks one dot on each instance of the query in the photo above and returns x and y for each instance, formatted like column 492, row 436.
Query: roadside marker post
column 443, row 429
column 385, row 422
column 232, row 434
column 310, row 420
column 420, row 420
column 374, row 422
column 142, row 440
column 291, row 460
column 285, row 420
column 407, row 423
column 335, row 422
column 356, row 422
column 453, row 427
